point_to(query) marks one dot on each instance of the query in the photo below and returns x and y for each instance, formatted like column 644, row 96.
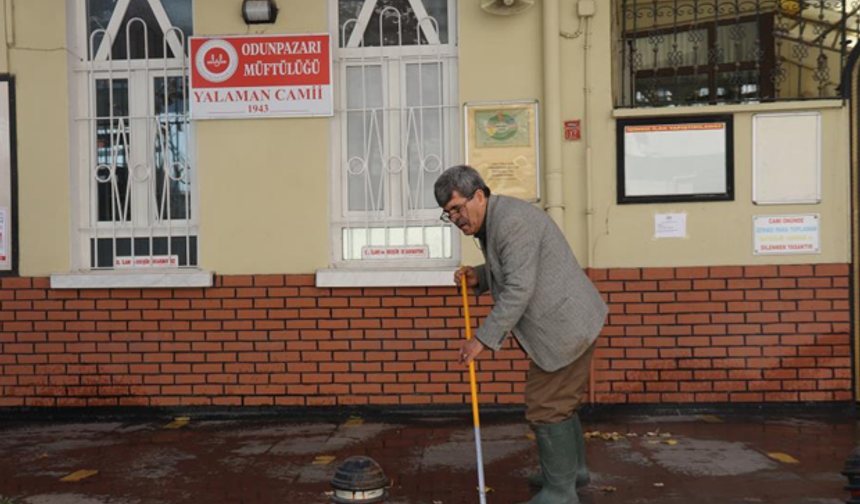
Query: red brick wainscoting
column 719, row 334
column 725, row 334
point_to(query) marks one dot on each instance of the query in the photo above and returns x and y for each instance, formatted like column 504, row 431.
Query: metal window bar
column 395, row 207
column 757, row 50
column 424, row 160
column 145, row 211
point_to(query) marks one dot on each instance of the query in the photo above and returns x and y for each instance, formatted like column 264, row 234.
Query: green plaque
column 507, row 127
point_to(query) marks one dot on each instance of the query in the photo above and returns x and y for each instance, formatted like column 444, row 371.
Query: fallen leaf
column 177, row 423
column 79, row 475
column 659, row 485
column 671, row 442
column 531, row 435
column 653, row 441
column 486, row 489
column 43, row 456
column 784, row 458
column 353, row 421
column 666, row 434
column 608, row 489
column 711, row 418
column 323, row 460
column 632, row 434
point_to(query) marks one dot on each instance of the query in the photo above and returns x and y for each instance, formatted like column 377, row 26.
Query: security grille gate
column 688, row 52
column 137, row 197
column 396, row 129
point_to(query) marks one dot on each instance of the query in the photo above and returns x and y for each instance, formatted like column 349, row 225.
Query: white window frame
column 354, row 56
column 141, row 74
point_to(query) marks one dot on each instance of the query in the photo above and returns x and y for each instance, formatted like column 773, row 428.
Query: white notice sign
column 396, row 252
column 786, row 234
column 670, row 225
column 160, row 261
column 675, row 159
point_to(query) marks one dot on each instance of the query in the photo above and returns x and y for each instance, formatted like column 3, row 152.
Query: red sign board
column 572, row 131
column 261, row 76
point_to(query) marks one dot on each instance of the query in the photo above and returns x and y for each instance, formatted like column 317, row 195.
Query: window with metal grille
column 134, row 178
column 714, row 62
column 686, row 52
column 395, row 131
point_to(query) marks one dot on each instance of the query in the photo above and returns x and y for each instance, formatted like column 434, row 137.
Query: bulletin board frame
column 9, row 182
column 788, row 170
column 692, row 126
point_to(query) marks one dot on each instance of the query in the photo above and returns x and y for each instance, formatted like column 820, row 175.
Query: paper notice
column 670, row 225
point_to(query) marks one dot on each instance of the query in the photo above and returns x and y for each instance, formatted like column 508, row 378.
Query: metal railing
column 687, row 52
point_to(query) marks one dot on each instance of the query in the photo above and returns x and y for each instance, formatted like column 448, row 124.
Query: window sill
column 334, row 277
column 133, row 280
column 735, row 108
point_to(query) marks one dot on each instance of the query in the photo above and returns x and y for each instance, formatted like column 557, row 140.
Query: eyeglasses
column 456, row 210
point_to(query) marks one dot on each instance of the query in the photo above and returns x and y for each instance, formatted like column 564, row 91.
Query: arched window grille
column 135, row 177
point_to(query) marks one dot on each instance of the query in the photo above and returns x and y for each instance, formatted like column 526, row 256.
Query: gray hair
column 463, row 179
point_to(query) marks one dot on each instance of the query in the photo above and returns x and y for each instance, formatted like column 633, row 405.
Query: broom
column 475, row 417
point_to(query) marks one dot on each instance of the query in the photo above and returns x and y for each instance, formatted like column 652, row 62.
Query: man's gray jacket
column 540, row 291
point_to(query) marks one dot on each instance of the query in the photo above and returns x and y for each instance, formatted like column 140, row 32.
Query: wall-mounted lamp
column 259, row 11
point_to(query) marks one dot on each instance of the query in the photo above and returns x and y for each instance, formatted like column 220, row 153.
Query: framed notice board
column 787, row 158
column 503, row 144
column 671, row 159
column 8, row 179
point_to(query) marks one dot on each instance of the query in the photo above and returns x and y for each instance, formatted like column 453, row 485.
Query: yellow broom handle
column 472, row 379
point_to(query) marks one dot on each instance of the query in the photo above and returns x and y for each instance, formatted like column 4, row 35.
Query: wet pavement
column 430, row 459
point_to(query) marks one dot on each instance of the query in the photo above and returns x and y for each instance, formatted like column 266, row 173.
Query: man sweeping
column 545, row 299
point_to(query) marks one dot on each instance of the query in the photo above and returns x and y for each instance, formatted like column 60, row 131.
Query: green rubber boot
column 557, row 451
column 583, row 476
